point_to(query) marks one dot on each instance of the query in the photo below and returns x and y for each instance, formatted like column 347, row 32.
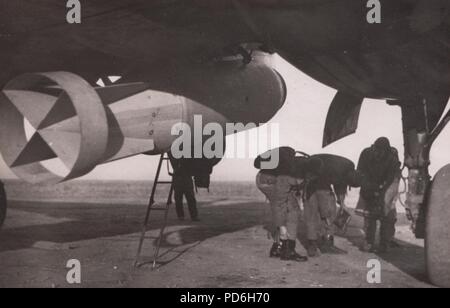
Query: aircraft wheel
column 2, row 204
column 437, row 239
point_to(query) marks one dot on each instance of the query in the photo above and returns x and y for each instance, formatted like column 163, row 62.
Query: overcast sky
column 301, row 121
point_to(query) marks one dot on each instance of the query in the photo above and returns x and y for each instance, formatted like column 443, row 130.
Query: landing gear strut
column 428, row 202
column 2, row 204
column 417, row 161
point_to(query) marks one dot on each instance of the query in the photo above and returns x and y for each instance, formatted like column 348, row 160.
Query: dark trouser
column 184, row 187
column 387, row 228
column 382, row 209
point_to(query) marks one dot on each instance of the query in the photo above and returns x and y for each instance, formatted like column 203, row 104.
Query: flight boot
column 368, row 247
column 327, row 246
column 275, row 251
column 313, row 249
column 288, row 252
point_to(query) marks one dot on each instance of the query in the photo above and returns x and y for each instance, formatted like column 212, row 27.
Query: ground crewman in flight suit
column 326, row 188
column 183, row 186
column 279, row 186
column 380, row 167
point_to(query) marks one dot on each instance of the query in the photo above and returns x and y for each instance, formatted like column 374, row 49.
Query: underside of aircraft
column 183, row 58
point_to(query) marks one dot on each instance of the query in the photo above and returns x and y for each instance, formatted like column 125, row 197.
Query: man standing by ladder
column 183, row 187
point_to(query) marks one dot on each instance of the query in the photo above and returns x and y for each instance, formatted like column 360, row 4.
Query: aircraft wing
column 115, row 35
column 176, row 46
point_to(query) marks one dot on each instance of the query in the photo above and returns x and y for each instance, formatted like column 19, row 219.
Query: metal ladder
column 152, row 207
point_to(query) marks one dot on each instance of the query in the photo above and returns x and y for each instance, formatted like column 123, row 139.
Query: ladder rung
column 164, row 182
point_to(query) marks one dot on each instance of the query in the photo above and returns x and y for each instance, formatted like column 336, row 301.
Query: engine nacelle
column 83, row 127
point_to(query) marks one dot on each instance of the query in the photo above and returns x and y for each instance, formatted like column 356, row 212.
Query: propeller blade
column 62, row 110
column 64, row 144
column 36, row 150
column 34, row 106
